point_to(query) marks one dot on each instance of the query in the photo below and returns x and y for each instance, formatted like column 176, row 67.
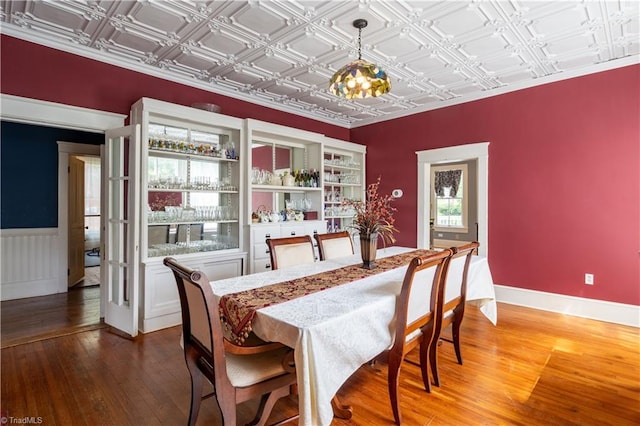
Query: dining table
column 336, row 330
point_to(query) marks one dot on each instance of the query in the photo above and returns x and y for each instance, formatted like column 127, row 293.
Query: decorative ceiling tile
column 281, row 53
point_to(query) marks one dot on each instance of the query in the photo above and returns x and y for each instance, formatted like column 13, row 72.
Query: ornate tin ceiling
column 281, row 54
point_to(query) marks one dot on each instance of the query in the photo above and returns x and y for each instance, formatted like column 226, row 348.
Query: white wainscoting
column 602, row 310
column 29, row 261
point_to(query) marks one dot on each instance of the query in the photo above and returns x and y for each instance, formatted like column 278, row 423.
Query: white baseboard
column 34, row 288
column 618, row 313
column 158, row 323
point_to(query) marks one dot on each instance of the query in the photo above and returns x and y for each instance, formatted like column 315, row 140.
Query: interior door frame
column 43, row 113
column 475, row 151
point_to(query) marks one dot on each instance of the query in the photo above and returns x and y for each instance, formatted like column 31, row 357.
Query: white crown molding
column 310, row 114
column 601, row 310
column 34, row 111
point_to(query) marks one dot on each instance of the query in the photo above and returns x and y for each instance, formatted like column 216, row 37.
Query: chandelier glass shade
column 360, row 79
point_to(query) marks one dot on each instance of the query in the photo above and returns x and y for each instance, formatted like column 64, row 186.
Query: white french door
column 120, row 226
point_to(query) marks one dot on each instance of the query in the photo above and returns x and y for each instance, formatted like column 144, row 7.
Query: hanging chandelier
column 360, row 79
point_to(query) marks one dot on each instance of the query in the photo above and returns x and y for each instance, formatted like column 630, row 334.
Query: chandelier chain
column 359, row 43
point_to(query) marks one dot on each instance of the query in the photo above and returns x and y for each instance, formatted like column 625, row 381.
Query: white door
column 120, row 224
column 76, row 220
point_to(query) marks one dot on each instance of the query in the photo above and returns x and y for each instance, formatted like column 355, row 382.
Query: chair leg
column 433, row 361
column 394, row 376
column 424, row 365
column 455, row 333
column 196, row 390
column 340, row 410
column 267, row 402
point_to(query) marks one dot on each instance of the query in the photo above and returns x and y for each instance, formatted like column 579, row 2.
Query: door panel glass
column 121, row 261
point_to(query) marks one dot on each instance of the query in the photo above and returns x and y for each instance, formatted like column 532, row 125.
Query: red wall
column 39, row 72
column 564, row 180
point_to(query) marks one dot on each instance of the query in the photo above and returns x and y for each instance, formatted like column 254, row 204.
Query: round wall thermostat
column 396, row 193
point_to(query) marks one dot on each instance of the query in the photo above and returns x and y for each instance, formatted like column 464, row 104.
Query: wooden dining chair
column 290, row 251
column 415, row 322
column 157, row 234
column 334, row 244
column 237, row 373
column 195, row 231
column 454, row 296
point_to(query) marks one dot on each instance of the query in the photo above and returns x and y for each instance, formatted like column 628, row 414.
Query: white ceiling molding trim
column 34, row 111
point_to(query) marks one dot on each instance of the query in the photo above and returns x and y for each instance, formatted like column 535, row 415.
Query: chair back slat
column 200, row 318
column 290, row 251
column 198, row 315
column 455, row 287
column 419, row 296
column 334, row 245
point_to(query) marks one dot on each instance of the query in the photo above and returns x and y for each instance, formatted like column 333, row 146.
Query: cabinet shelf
column 165, row 153
column 193, row 222
column 344, row 185
column 280, row 188
column 214, row 191
column 329, row 167
column 161, row 250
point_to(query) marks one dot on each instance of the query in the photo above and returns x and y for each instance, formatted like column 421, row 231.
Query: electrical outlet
column 588, row 279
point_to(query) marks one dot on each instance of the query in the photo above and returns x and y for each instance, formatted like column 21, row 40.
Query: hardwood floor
column 37, row 318
column 533, row 368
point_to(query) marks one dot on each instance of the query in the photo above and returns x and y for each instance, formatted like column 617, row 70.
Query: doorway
column 478, row 152
column 71, row 309
column 84, row 221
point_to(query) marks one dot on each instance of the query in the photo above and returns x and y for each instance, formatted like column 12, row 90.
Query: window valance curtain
column 447, row 179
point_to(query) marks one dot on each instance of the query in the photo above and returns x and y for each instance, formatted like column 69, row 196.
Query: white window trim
column 465, row 199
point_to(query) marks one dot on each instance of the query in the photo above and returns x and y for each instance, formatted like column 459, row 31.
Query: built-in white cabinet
column 284, row 189
column 190, row 198
column 209, row 189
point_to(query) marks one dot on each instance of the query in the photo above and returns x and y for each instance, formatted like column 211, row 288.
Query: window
column 449, row 209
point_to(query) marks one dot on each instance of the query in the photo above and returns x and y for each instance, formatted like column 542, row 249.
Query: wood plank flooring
column 37, row 318
column 533, row 368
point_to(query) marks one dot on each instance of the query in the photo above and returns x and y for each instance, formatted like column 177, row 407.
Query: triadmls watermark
column 6, row 419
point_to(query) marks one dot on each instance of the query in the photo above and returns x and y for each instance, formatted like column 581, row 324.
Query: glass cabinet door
column 192, row 191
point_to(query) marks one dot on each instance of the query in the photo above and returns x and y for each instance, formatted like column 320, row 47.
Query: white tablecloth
column 336, row 331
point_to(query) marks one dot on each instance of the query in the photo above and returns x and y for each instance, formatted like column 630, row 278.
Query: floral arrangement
column 374, row 215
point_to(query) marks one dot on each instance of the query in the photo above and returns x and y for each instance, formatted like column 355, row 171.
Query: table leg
column 341, row 411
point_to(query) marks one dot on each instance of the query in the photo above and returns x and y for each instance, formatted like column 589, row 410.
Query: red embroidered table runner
column 237, row 310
